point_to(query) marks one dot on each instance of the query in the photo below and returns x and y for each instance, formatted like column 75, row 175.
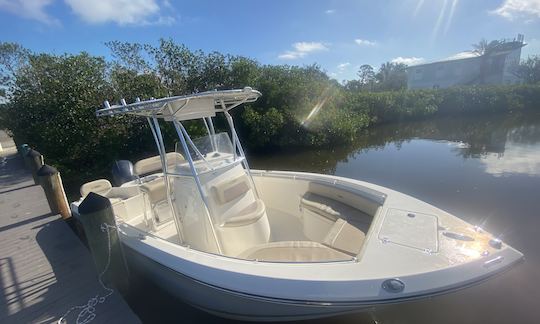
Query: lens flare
column 314, row 111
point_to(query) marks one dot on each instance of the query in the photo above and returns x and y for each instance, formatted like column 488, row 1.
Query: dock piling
column 34, row 161
column 97, row 218
column 51, row 182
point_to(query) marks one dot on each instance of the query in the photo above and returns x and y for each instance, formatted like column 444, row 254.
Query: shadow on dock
column 44, row 268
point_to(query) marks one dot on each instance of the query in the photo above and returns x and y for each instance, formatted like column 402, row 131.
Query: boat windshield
column 209, row 153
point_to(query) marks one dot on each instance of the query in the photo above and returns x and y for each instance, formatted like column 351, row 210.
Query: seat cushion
column 230, row 189
column 153, row 164
column 293, row 251
column 100, row 186
column 248, row 215
column 345, row 238
column 155, row 190
column 334, row 210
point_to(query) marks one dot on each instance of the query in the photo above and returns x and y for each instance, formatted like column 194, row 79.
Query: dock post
column 35, row 161
column 23, row 149
column 51, row 182
column 97, row 219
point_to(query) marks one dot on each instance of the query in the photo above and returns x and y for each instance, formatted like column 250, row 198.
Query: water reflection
column 501, row 144
column 521, row 153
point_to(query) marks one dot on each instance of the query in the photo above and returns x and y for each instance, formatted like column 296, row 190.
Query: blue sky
column 338, row 35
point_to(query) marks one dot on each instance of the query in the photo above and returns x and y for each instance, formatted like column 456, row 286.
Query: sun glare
column 445, row 15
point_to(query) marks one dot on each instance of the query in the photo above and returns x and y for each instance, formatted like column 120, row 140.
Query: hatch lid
column 410, row 229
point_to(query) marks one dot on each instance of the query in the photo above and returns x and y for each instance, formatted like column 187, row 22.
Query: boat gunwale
column 358, row 303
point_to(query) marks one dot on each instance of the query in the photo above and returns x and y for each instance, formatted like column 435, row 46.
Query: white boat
column 273, row 245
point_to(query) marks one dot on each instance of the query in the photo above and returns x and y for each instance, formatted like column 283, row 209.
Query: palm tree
column 392, row 76
column 485, row 50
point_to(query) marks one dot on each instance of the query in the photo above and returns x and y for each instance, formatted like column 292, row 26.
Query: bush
column 51, row 103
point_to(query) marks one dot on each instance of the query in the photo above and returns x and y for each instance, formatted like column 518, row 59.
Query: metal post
column 178, row 126
column 237, row 142
column 194, row 146
column 163, row 154
column 155, row 138
column 212, row 132
column 233, row 132
column 212, row 129
column 209, row 135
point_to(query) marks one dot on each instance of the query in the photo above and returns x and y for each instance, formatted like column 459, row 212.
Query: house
column 496, row 66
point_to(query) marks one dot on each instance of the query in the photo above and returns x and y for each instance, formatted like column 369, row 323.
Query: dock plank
column 44, row 267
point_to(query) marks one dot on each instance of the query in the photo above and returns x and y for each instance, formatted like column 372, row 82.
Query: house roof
column 505, row 48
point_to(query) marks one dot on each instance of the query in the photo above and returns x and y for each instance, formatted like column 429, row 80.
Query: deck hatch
column 410, row 229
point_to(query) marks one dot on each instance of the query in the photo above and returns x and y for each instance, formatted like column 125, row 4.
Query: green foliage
column 51, row 101
column 263, row 127
column 12, row 57
column 391, row 76
column 529, row 70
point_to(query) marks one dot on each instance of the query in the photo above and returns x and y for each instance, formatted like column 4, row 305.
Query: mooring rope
column 87, row 311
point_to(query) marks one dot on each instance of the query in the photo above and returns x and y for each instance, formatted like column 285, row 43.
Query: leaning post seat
column 154, row 189
column 153, row 164
column 125, row 200
column 239, row 217
column 100, row 186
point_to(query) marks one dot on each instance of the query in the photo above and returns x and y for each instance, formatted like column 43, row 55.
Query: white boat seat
column 153, row 164
column 353, row 199
column 100, row 186
column 334, row 210
column 229, row 190
column 248, row 215
column 345, row 238
column 293, row 251
column 119, row 197
column 155, row 190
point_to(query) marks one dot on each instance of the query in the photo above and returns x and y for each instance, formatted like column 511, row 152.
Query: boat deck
column 44, row 268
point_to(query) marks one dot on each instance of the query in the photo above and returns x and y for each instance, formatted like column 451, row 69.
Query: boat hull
column 230, row 304
column 241, row 306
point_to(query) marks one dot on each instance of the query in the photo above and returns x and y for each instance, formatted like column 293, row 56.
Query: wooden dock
column 44, row 268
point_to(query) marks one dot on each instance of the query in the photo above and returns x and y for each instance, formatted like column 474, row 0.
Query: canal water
column 486, row 170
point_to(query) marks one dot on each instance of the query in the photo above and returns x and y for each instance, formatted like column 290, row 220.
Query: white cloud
column 511, row 9
column 363, row 42
column 341, row 67
column 301, row 49
column 518, row 158
column 290, row 55
column 408, row 60
column 330, row 11
column 122, row 12
column 306, row 47
column 30, row 9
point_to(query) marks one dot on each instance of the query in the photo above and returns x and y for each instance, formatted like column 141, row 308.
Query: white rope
column 88, row 310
